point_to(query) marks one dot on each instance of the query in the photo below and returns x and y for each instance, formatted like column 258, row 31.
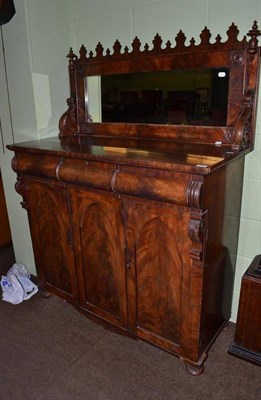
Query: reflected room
column 192, row 97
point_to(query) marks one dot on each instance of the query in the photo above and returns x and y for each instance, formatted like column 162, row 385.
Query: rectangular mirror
column 188, row 97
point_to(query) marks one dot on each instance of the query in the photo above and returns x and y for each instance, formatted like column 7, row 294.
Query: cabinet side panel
column 222, row 199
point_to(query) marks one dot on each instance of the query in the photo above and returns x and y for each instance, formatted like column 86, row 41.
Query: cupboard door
column 156, row 252
column 51, row 233
column 98, row 232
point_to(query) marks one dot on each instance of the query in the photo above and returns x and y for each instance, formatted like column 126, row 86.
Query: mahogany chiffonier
column 135, row 219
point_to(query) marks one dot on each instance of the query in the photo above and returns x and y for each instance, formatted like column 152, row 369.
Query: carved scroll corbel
column 68, row 121
column 197, row 232
column 194, row 193
column 14, row 163
column 22, row 188
column 73, row 121
column 243, row 123
column 82, row 120
column 197, row 223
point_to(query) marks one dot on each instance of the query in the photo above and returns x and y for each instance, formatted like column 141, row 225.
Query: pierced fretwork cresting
column 180, row 47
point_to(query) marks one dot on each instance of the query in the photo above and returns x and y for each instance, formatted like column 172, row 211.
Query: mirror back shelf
column 204, row 92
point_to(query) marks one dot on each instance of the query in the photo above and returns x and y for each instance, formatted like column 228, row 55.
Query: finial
column 71, row 56
column 253, row 42
column 83, row 52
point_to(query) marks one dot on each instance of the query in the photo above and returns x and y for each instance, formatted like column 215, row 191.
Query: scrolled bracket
column 194, row 192
column 14, row 163
column 74, row 120
column 68, row 121
column 197, row 229
column 196, row 223
column 243, row 124
column 22, row 188
column 83, row 120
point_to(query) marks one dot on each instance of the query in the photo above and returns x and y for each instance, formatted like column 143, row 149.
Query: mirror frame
column 240, row 56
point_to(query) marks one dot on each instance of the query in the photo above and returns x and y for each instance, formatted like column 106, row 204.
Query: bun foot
column 194, row 370
column 44, row 293
column 226, row 326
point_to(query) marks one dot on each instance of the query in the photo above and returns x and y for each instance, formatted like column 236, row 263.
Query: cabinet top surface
column 182, row 156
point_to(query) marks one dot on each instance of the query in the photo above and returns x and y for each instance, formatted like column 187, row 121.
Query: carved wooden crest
column 119, row 52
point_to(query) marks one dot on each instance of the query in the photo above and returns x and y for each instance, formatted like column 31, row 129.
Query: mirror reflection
column 192, row 97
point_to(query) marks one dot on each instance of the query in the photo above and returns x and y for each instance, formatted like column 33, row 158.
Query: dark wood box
column 247, row 342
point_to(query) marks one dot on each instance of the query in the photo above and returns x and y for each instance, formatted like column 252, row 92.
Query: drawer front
column 148, row 183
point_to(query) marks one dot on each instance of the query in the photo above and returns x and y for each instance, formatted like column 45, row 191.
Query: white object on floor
column 12, row 290
column 23, row 278
column 28, row 286
column 17, row 285
column 19, row 269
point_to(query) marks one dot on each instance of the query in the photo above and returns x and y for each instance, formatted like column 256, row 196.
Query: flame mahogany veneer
column 137, row 224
